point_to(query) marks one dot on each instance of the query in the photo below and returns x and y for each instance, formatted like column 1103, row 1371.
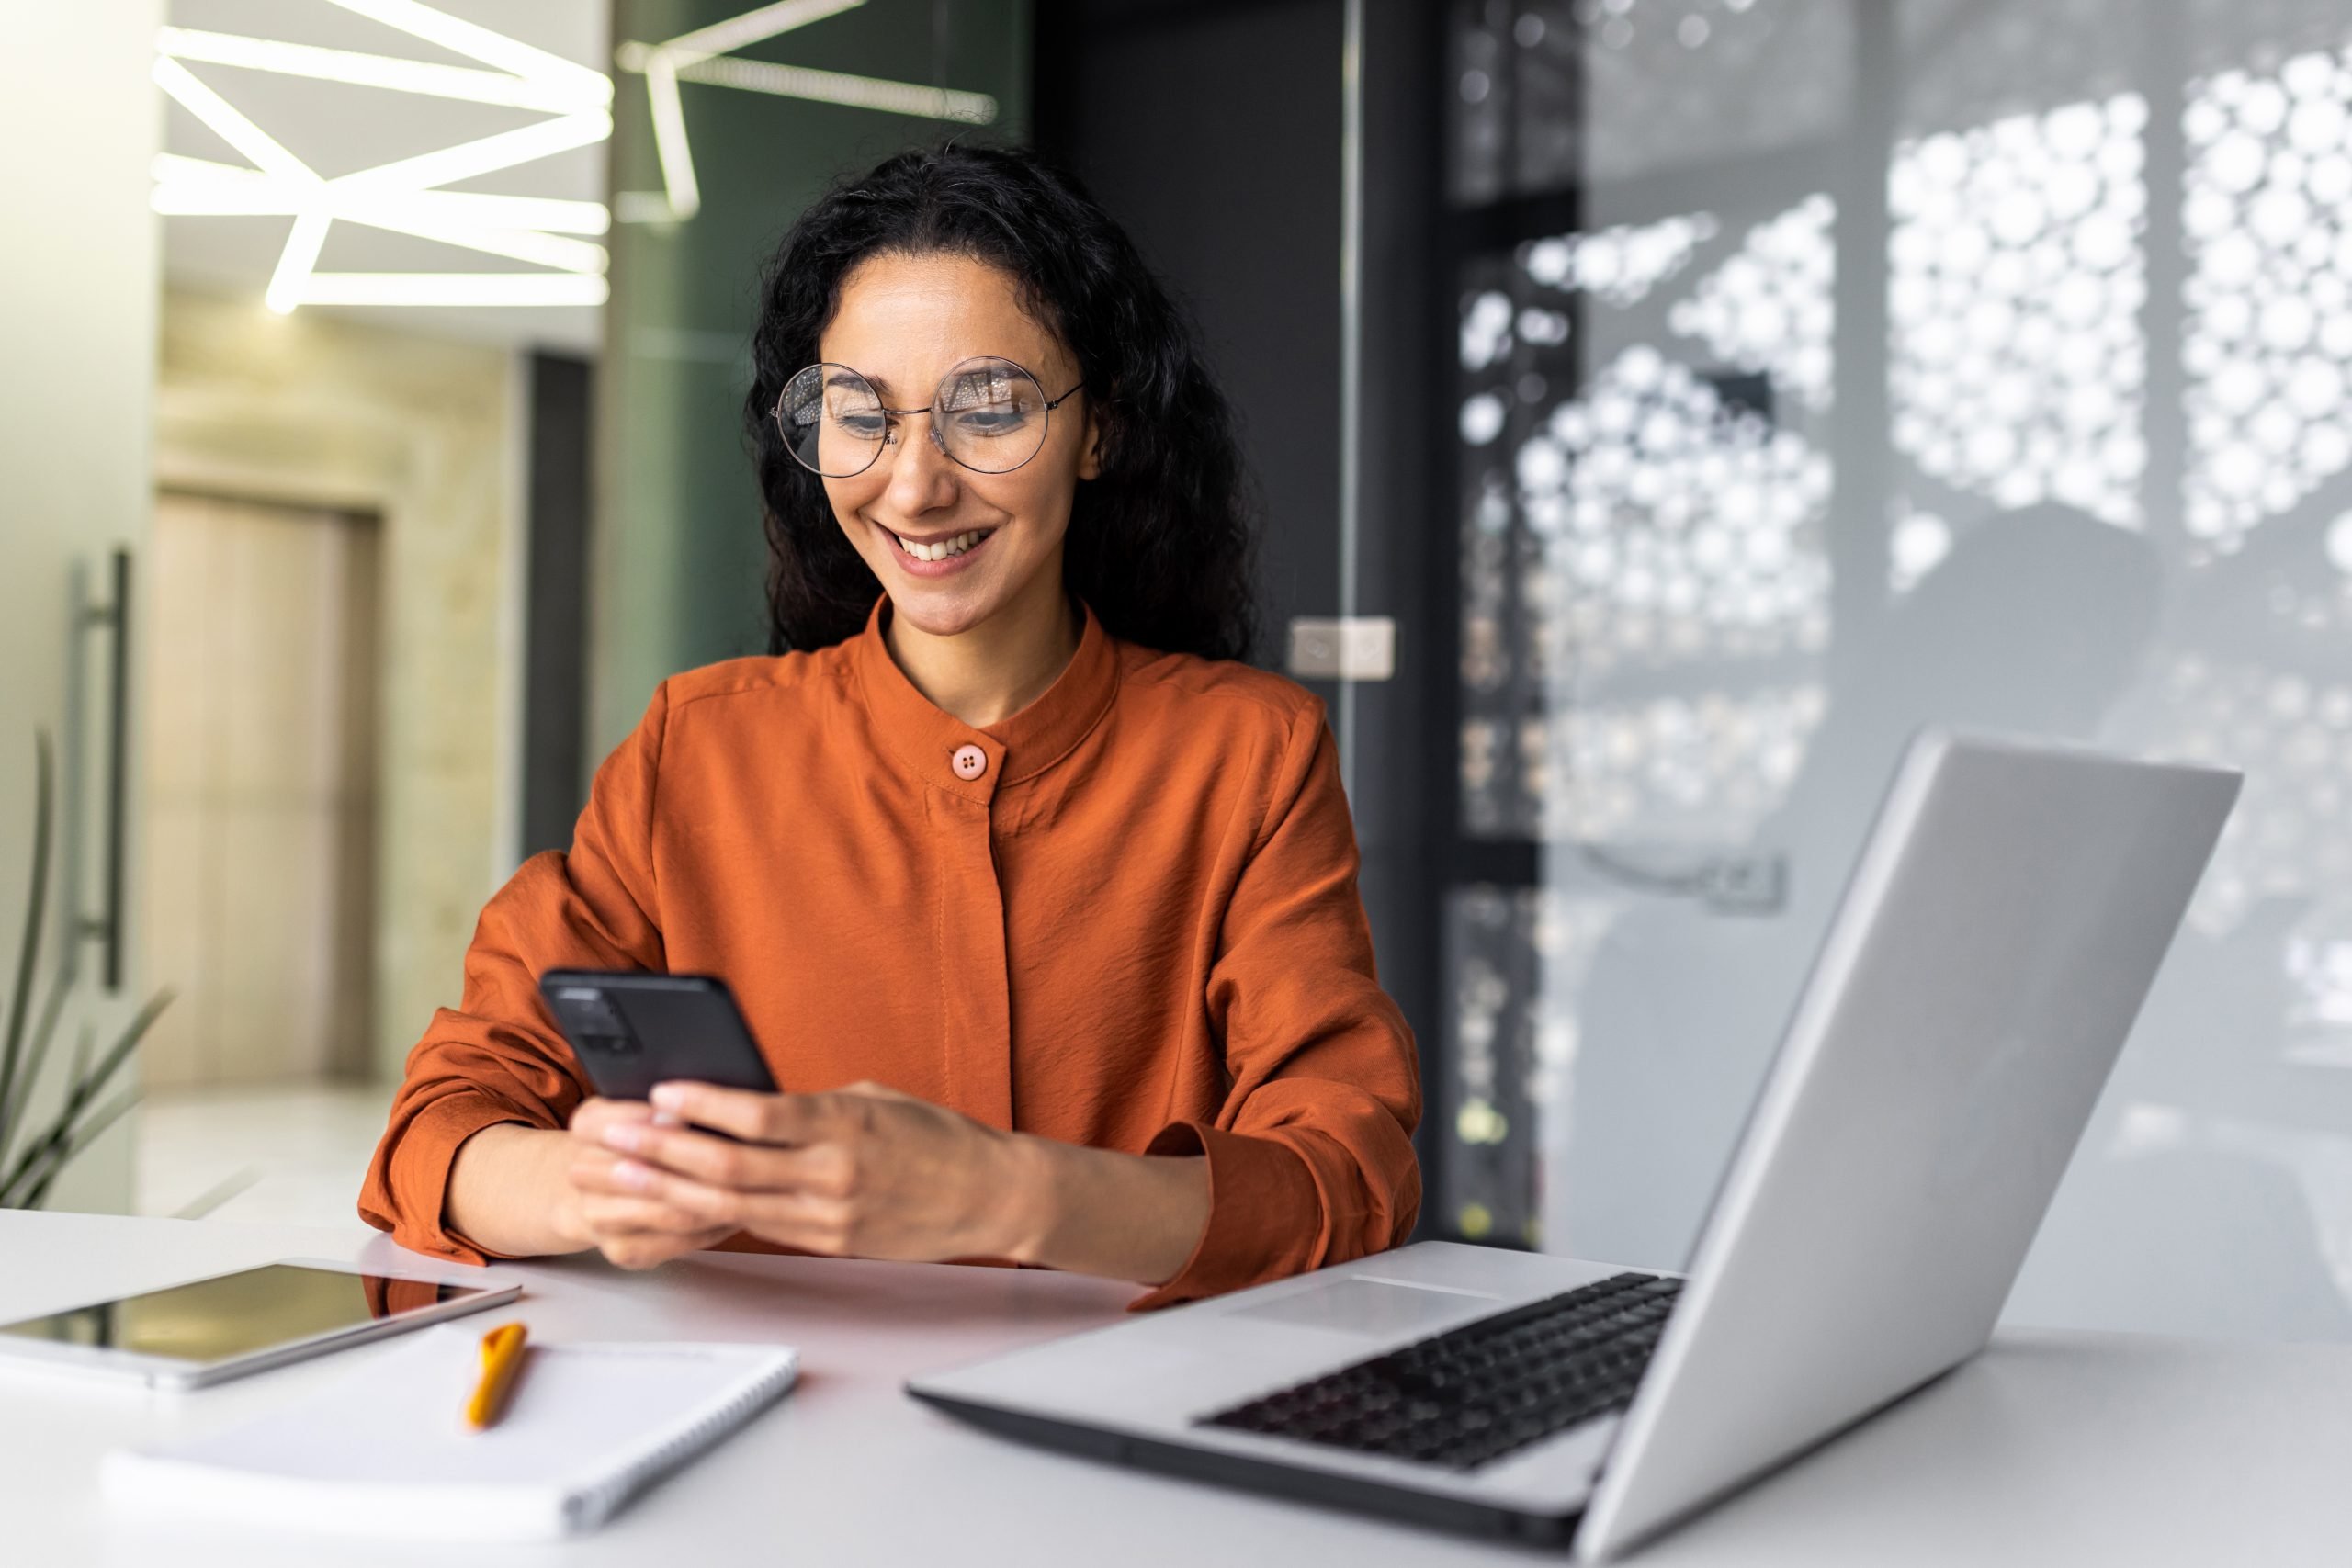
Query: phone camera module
column 591, row 1018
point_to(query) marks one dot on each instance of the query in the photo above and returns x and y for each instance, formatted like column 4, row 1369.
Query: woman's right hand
column 632, row 1232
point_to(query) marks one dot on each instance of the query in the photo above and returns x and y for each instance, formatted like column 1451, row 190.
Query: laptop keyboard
column 1489, row 1388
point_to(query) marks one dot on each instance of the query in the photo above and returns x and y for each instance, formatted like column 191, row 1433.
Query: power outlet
column 1353, row 648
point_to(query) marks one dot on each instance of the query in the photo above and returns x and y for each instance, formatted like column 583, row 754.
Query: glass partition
column 727, row 120
column 1831, row 366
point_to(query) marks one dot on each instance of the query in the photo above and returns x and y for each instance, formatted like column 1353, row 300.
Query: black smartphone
column 632, row 1030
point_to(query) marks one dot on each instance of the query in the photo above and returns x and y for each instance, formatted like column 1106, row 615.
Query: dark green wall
column 677, row 552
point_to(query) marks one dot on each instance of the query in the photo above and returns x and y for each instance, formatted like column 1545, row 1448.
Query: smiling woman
column 963, row 521
column 1041, row 903
column 978, row 240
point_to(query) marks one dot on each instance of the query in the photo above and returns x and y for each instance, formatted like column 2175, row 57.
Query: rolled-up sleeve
column 498, row 1056
column 1311, row 1158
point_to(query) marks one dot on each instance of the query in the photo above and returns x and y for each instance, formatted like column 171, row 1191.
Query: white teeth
column 943, row 548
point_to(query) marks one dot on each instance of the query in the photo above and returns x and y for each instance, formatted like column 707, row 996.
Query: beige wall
column 424, row 434
column 80, row 122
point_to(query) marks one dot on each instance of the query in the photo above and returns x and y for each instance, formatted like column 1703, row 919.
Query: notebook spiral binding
column 668, row 1449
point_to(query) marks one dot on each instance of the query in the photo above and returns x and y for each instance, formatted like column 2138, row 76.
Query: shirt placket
column 974, row 970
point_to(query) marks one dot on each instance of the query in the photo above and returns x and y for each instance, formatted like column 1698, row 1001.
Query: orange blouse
column 1134, row 925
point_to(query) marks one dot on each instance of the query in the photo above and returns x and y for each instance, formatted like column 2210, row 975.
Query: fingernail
column 629, row 1173
column 620, row 1136
column 669, row 1097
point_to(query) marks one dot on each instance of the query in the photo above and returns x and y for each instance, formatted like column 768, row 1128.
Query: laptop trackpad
column 1369, row 1306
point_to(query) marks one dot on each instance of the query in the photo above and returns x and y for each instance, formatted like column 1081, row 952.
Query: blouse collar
column 925, row 739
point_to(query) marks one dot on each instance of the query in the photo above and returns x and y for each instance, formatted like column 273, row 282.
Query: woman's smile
column 935, row 555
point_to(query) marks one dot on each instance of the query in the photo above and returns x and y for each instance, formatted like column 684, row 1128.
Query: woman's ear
column 1090, row 454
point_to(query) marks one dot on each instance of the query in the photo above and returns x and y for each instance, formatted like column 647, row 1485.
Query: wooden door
column 258, row 810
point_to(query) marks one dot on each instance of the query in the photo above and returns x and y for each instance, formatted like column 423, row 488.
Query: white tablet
column 208, row 1330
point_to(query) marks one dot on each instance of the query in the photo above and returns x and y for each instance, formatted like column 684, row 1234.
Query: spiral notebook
column 385, row 1453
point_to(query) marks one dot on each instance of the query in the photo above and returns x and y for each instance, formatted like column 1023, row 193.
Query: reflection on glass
column 236, row 1314
column 1975, row 361
column 2266, row 219
column 2015, row 284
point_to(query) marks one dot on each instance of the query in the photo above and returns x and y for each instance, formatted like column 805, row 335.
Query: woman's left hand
column 863, row 1172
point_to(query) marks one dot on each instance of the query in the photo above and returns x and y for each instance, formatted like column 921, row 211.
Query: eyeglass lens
column 988, row 414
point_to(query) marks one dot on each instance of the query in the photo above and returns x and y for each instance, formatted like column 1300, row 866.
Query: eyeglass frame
column 775, row 414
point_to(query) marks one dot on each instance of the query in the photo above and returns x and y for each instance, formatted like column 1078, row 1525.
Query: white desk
column 2050, row 1450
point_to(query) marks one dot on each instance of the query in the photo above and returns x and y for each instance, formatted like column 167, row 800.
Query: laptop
column 1999, row 932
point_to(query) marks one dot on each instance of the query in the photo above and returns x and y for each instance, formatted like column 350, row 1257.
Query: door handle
column 115, row 618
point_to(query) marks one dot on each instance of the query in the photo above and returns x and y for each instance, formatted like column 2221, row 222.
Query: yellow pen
column 502, row 1358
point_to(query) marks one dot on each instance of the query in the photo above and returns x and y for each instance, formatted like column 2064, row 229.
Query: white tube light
column 389, row 71
column 525, row 243
column 487, row 155
column 294, row 263
column 481, row 44
column 753, row 27
column 670, row 143
column 224, row 121
column 418, row 214
column 840, row 88
column 466, row 288
column 199, row 188
column 516, row 244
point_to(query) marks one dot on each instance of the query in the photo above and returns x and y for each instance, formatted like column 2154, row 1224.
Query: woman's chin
column 922, row 612
column 940, row 608
column 946, row 605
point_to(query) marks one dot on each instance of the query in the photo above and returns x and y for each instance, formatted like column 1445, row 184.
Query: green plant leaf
column 79, row 1093
column 37, row 1057
column 83, row 1136
column 13, row 1091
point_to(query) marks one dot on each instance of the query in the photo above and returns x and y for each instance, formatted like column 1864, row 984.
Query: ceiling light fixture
column 295, row 262
column 453, row 288
column 198, row 188
column 838, row 88
column 461, row 81
column 476, row 42
column 401, row 196
column 487, row 155
column 701, row 56
column 267, row 153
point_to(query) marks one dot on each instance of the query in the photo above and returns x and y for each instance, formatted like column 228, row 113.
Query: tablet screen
column 220, row 1319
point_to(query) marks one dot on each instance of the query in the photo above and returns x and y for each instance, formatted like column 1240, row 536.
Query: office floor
column 291, row 1154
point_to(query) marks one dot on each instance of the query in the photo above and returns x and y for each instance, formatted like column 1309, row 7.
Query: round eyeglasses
column 988, row 414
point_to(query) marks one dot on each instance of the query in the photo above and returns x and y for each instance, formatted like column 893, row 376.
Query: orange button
column 969, row 763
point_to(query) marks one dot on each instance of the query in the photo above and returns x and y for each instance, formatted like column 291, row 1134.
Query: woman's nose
column 922, row 475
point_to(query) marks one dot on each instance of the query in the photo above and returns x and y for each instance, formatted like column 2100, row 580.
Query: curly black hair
column 1161, row 543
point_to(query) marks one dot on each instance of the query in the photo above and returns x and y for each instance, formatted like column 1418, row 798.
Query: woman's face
column 903, row 322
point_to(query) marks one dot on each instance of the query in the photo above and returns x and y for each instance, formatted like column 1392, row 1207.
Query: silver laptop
column 1999, row 934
